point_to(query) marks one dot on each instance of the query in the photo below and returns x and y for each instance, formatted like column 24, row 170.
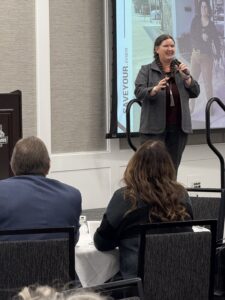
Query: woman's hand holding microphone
column 184, row 72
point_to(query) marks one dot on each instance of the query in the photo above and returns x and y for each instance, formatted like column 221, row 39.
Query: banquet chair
column 46, row 258
column 205, row 207
column 126, row 289
column 176, row 262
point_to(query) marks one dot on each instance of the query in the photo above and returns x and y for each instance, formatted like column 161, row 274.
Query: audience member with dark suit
column 151, row 195
column 30, row 199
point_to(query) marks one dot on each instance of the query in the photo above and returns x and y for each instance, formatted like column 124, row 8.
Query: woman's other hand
column 160, row 86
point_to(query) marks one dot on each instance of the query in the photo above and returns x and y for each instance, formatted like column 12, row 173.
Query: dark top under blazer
column 33, row 201
column 153, row 112
column 118, row 230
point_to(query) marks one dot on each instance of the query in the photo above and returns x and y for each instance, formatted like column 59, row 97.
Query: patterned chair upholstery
column 175, row 263
column 205, row 207
column 29, row 262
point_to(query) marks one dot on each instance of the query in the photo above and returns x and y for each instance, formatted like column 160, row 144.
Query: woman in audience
column 48, row 293
column 151, row 194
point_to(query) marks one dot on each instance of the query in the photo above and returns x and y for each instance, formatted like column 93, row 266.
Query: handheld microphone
column 177, row 62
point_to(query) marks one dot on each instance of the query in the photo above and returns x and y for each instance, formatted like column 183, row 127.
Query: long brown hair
column 208, row 6
column 150, row 177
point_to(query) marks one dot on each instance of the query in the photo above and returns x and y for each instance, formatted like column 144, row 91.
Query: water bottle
column 83, row 225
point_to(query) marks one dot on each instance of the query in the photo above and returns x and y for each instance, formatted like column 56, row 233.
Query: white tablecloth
column 199, row 228
column 92, row 266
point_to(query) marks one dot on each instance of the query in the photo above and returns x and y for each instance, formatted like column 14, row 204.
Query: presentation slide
column 139, row 22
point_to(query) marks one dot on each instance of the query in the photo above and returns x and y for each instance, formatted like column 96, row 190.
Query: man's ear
column 47, row 171
column 14, row 174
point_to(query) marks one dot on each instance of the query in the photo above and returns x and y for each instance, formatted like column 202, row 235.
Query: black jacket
column 119, row 229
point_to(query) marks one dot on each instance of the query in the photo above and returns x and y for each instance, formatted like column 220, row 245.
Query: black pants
column 175, row 140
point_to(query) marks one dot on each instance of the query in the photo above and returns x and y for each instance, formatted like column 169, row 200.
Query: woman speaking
column 165, row 86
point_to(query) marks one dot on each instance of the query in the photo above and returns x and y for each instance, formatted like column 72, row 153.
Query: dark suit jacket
column 33, row 201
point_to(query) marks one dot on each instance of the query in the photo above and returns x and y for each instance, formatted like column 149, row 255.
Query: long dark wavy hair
column 157, row 43
column 200, row 5
column 150, row 177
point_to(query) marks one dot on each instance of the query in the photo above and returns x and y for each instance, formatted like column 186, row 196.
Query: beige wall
column 17, row 56
column 78, row 110
column 77, row 75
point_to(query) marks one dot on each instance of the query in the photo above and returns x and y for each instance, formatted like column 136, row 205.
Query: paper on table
column 199, row 229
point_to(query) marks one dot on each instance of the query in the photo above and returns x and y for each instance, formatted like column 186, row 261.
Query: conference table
column 92, row 266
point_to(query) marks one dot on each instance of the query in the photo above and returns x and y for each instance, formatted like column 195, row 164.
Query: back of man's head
column 30, row 156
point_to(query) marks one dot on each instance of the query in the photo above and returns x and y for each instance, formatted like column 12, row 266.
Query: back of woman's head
column 86, row 296
column 151, row 162
column 150, row 177
column 38, row 293
column 48, row 293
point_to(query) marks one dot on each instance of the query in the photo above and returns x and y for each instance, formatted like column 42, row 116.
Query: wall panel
column 77, row 75
column 94, row 185
column 17, row 56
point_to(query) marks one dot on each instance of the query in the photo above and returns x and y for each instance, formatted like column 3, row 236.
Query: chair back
column 126, row 289
column 209, row 208
column 176, row 262
column 205, row 207
column 42, row 262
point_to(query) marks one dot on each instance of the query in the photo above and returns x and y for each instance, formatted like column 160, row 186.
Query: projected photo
column 139, row 22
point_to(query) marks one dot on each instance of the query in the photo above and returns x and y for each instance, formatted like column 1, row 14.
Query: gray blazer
column 153, row 113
